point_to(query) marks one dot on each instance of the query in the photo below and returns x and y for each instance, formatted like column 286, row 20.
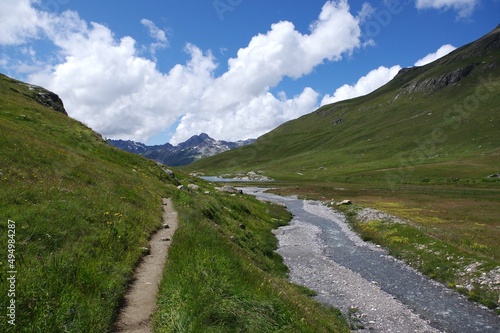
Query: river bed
column 379, row 292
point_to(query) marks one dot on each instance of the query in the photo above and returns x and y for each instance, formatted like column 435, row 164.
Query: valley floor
column 376, row 292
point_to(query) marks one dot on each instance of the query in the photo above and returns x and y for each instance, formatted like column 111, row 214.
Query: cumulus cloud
column 464, row 8
column 365, row 85
column 20, row 22
column 105, row 83
column 257, row 116
column 441, row 52
column 378, row 77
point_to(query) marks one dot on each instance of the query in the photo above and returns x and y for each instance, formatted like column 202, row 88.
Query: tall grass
column 444, row 260
column 82, row 212
column 223, row 276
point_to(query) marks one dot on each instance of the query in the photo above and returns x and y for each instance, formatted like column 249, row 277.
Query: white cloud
column 464, row 8
column 20, row 22
column 249, row 119
column 366, row 12
column 378, row 77
column 441, row 52
column 105, row 83
column 157, row 34
column 365, row 85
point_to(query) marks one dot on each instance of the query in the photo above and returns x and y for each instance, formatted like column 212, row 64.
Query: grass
column 440, row 260
column 224, row 276
column 450, row 229
column 83, row 212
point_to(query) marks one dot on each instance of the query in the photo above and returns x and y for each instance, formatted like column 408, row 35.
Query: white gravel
column 377, row 311
column 363, row 280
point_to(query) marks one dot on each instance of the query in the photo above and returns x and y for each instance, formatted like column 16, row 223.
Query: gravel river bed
column 376, row 291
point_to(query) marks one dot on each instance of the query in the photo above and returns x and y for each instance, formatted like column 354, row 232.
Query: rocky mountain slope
column 196, row 147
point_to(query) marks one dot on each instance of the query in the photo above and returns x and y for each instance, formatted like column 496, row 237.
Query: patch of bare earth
column 140, row 300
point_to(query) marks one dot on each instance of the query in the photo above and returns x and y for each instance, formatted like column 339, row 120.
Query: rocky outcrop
column 433, row 84
column 51, row 100
column 46, row 98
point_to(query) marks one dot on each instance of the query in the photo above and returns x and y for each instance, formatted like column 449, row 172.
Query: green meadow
column 78, row 214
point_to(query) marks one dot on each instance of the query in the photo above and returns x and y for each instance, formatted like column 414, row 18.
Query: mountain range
column 196, row 147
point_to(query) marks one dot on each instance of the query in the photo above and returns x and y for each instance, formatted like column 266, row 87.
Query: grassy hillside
column 423, row 147
column 82, row 212
column 76, row 214
column 434, row 123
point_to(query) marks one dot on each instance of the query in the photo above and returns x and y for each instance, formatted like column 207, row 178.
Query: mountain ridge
column 196, row 147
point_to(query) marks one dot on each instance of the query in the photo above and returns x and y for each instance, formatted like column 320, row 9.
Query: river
column 378, row 292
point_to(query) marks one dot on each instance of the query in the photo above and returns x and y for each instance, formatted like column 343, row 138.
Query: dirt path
column 140, row 300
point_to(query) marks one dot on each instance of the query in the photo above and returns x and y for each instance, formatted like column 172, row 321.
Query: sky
column 158, row 71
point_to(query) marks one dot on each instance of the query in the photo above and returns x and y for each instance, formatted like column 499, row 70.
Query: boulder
column 344, row 202
column 230, row 189
column 193, row 187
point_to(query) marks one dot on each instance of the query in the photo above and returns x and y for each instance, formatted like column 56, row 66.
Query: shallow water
column 216, row 179
column 325, row 255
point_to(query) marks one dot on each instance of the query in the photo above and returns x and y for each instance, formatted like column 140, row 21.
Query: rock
column 166, row 226
column 169, row 172
column 337, row 121
column 207, row 192
column 182, row 187
column 47, row 98
column 433, row 84
column 495, row 175
column 193, row 187
column 229, row 189
column 243, row 227
column 250, row 176
column 344, row 202
column 165, row 239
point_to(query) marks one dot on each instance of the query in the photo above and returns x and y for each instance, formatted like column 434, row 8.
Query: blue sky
column 164, row 70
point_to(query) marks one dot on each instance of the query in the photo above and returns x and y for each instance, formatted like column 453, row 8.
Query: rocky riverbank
column 376, row 292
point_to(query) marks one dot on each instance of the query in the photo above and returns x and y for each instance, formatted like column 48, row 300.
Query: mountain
column 196, row 147
column 438, row 122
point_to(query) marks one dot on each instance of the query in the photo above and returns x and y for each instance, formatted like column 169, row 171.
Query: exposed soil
column 140, row 300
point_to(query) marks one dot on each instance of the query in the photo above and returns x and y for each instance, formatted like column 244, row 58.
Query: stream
column 377, row 292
